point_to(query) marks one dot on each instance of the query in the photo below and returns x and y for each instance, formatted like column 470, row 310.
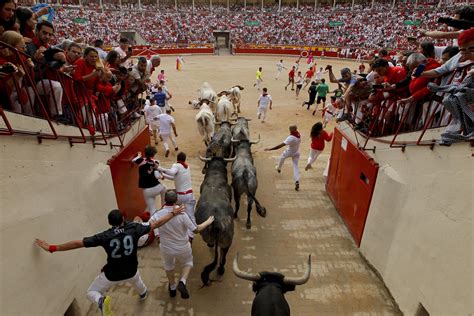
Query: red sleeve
column 105, row 88
column 327, row 137
column 79, row 73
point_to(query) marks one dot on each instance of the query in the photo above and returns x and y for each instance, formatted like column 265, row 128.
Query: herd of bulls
column 231, row 143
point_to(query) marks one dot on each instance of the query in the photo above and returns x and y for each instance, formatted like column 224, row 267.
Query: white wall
column 418, row 233
column 57, row 193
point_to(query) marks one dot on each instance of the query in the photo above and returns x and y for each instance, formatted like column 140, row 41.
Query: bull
column 224, row 108
column 270, row 288
column 221, row 142
column 206, row 122
column 244, row 179
column 235, row 97
column 215, row 199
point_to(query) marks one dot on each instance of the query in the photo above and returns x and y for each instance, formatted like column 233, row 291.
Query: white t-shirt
column 293, row 144
column 264, row 100
column 151, row 112
column 165, row 121
column 280, row 67
column 127, row 64
column 174, row 234
column 299, row 80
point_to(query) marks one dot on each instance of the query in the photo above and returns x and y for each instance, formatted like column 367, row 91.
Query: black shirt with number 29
column 120, row 243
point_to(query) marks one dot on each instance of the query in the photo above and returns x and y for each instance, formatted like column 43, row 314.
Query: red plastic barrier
column 278, row 51
column 351, row 183
column 125, row 176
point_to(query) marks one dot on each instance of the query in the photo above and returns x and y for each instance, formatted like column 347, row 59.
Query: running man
column 299, row 80
column 151, row 111
column 291, row 78
column 323, row 90
column 280, row 68
column 259, row 78
column 120, row 243
column 166, row 124
column 293, row 142
column 264, row 102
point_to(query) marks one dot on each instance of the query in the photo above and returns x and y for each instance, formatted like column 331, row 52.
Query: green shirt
column 322, row 89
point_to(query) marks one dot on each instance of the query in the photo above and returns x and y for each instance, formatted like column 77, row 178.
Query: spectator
column 151, row 64
column 113, row 60
column 448, row 53
column 28, row 21
column 125, row 52
column 45, row 57
column 139, row 77
column 99, row 47
column 7, row 15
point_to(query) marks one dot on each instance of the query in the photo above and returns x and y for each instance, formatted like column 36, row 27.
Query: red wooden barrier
column 351, row 183
column 280, row 51
column 125, row 176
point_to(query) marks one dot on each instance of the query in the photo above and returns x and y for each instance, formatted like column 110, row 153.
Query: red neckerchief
column 38, row 43
column 168, row 204
column 296, row 134
column 184, row 164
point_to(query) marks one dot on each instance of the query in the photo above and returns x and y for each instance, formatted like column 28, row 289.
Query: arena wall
column 57, row 193
column 418, row 233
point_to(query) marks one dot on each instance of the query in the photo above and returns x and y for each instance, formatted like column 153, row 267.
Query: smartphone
column 419, row 70
column 8, row 68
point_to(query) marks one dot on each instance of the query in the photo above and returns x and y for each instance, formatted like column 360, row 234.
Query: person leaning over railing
column 15, row 66
column 105, row 91
column 7, row 15
column 47, row 60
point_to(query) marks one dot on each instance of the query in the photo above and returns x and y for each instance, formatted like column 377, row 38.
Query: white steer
column 235, row 96
column 206, row 121
column 224, row 109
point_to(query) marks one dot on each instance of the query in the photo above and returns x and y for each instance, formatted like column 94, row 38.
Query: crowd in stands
column 361, row 27
column 90, row 87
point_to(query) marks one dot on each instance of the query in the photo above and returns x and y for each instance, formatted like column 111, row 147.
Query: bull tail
column 261, row 210
column 210, row 267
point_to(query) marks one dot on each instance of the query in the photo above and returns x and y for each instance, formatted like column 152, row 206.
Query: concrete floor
column 297, row 223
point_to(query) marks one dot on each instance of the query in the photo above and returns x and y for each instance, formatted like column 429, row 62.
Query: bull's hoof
column 210, row 245
column 221, row 270
column 262, row 212
column 248, row 225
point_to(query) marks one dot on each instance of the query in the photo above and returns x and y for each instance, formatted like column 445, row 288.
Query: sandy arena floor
column 297, row 223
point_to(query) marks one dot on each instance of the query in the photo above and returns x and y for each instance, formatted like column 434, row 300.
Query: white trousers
column 262, row 112
column 16, row 105
column 185, row 258
column 257, row 83
column 295, row 157
column 167, row 137
column 150, row 194
column 53, row 90
column 103, row 124
column 313, row 154
column 101, row 284
column 189, row 202
column 278, row 74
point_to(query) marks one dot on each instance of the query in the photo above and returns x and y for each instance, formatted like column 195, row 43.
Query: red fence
column 281, row 51
column 351, row 183
column 125, row 176
column 149, row 50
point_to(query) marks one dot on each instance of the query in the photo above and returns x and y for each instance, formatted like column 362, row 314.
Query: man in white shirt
column 151, row 111
column 165, row 89
column 166, row 123
column 280, row 68
column 180, row 172
column 293, row 142
column 139, row 77
column 151, row 64
column 125, row 52
column 174, row 243
column 264, row 102
column 320, row 74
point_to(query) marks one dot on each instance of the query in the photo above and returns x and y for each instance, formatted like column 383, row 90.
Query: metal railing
column 55, row 97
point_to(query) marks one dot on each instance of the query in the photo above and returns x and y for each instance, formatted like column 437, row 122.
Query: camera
column 8, row 68
column 458, row 24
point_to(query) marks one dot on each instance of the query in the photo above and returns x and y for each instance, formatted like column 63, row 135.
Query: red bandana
column 38, row 43
column 296, row 134
column 184, row 164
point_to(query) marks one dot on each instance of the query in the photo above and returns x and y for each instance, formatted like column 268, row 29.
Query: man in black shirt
column 312, row 91
column 120, row 244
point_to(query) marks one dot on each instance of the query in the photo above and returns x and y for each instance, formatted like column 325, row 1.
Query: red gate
column 351, row 183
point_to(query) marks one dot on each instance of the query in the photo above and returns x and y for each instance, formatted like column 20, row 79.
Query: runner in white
column 280, row 68
column 166, row 123
column 263, row 103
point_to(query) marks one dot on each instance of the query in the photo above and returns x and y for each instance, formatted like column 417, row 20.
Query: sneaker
column 297, row 186
column 167, row 153
column 292, row 89
column 308, row 167
column 172, row 108
column 172, row 292
column 314, row 112
column 104, row 306
column 278, row 170
column 143, row 296
column 183, row 290
column 286, row 88
column 176, row 149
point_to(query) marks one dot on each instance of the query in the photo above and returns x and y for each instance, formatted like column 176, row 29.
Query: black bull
column 215, row 199
column 270, row 288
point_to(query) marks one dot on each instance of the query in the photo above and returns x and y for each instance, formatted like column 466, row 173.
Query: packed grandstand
column 390, row 97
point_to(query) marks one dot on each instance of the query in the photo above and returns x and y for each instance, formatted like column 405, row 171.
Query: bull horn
column 241, row 274
column 258, row 141
column 234, row 140
column 230, row 159
column 300, row 280
column 204, row 159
